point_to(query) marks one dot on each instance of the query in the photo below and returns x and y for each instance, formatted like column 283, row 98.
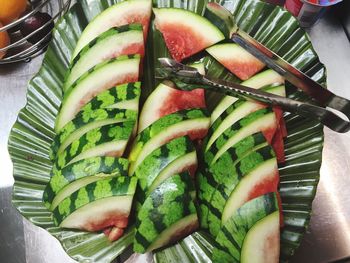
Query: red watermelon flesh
column 283, row 128
column 269, row 133
column 236, row 59
column 278, row 146
column 279, row 200
column 185, row 33
column 141, row 18
column 277, row 141
column 242, row 69
column 282, row 125
column 134, row 48
column 165, row 100
column 118, row 80
column 267, row 186
column 274, row 137
column 113, row 233
column 181, row 41
column 122, row 13
column 106, row 220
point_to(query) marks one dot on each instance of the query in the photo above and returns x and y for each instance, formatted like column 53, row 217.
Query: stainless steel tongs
column 188, row 78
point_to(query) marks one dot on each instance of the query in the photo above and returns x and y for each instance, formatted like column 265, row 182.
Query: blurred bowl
column 26, row 45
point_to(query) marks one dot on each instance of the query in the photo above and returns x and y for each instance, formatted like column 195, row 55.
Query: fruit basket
column 33, row 132
column 30, row 32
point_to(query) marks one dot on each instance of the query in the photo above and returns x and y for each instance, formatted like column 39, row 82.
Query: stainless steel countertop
column 328, row 237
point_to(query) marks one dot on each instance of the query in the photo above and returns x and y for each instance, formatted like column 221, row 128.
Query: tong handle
column 323, row 96
column 326, row 117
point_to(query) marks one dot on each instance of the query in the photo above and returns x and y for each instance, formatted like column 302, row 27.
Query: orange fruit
column 4, row 41
column 11, row 9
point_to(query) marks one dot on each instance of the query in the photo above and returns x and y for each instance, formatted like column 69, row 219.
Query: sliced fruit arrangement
column 185, row 33
column 263, row 120
column 124, row 96
column 108, row 140
column 207, row 184
column 167, row 215
column 251, row 234
column 176, row 156
column 74, row 176
column 191, row 122
column 262, row 79
column 254, row 175
column 237, row 111
column 166, row 99
column 123, row 13
column 98, row 205
column 86, row 121
column 89, row 187
column 103, row 76
column 92, row 185
column 231, row 109
column 117, row 41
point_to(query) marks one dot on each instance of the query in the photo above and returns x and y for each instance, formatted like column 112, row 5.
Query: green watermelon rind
column 83, row 168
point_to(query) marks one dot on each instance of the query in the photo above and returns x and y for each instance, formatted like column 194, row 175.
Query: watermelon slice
column 115, row 42
column 185, row 33
column 103, row 76
column 236, row 59
column 191, row 122
column 98, row 205
column 123, row 13
column 166, row 99
column 251, row 234
column 167, row 215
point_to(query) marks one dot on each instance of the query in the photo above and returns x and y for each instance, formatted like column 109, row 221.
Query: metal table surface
column 328, row 237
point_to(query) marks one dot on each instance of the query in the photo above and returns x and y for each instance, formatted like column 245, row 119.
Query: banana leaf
column 32, row 133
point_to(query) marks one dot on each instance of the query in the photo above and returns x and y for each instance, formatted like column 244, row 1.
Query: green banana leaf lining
column 32, row 133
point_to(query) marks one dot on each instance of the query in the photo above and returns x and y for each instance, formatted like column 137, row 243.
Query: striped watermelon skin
column 113, row 132
column 167, row 204
column 206, row 184
column 84, row 88
column 163, row 125
column 216, row 124
column 110, row 32
column 116, row 186
column 227, row 176
column 93, row 50
column 83, row 168
column 232, row 110
column 113, row 14
column 118, row 95
column 86, row 117
column 159, row 159
column 230, row 239
column 95, row 68
column 249, row 120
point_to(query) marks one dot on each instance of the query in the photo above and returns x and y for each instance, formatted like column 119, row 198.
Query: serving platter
column 32, row 133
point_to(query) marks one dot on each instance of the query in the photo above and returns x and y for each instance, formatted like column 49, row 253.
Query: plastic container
column 308, row 11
